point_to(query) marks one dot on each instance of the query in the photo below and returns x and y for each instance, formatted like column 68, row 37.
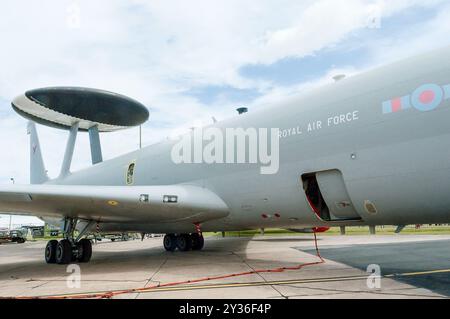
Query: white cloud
column 320, row 25
column 412, row 41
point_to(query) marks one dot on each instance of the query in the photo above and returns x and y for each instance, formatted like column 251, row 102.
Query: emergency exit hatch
column 328, row 196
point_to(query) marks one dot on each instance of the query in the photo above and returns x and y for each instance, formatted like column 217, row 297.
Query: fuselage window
column 130, row 173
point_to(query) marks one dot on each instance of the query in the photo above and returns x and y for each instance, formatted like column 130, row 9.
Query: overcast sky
column 190, row 60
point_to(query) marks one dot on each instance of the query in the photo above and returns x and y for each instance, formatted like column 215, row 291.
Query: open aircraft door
column 328, row 196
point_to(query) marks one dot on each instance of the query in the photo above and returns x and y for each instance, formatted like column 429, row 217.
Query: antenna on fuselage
column 339, row 77
column 242, row 110
column 81, row 109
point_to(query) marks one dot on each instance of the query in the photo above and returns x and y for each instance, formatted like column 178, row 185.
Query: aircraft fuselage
column 377, row 144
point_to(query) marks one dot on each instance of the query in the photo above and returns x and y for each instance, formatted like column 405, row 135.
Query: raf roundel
column 61, row 107
column 427, row 97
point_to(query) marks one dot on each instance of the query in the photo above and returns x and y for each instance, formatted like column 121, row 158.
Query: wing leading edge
column 143, row 204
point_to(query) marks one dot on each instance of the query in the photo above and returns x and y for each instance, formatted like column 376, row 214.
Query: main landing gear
column 184, row 242
column 69, row 249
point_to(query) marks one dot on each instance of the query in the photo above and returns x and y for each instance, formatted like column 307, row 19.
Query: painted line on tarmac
column 296, row 281
column 276, row 283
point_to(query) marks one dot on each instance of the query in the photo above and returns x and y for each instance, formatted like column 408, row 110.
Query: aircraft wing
column 143, row 204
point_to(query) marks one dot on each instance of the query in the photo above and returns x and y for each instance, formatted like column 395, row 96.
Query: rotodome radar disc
column 61, row 107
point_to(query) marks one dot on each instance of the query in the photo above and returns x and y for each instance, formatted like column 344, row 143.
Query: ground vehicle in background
column 120, row 236
column 4, row 235
column 17, row 236
column 13, row 236
column 113, row 237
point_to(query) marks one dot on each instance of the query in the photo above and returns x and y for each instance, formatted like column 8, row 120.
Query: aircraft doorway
column 328, row 196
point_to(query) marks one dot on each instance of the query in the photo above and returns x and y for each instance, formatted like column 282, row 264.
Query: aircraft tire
column 50, row 252
column 170, row 242
column 198, row 242
column 85, row 250
column 184, row 242
column 64, row 252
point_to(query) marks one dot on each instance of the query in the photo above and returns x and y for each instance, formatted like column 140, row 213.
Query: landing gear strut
column 70, row 249
column 184, row 242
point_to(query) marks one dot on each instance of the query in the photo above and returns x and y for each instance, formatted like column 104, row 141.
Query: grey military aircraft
column 372, row 149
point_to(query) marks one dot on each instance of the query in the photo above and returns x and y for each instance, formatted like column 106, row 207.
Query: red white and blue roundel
column 425, row 98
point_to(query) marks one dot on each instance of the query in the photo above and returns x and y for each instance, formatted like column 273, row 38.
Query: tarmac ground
column 410, row 266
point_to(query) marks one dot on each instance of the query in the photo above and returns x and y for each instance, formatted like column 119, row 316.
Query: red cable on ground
column 111, row 294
